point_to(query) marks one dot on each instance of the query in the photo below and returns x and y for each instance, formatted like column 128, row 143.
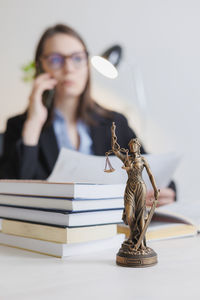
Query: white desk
column 26, row 276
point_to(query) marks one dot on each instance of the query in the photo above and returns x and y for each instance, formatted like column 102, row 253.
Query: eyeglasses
column 56, row 61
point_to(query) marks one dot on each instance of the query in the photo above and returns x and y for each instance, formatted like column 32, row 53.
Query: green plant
column 29, row 71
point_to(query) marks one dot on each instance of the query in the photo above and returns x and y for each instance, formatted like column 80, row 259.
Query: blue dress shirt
column 60, row 129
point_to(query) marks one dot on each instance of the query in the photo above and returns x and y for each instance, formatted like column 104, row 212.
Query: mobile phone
column 48, row 95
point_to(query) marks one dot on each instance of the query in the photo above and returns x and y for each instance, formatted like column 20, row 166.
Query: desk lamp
column 106, row 63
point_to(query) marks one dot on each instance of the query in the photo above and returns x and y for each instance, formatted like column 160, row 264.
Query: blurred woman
column 61, row 112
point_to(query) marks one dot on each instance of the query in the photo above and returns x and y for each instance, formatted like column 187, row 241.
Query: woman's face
column 134, row 147
column 65, row 59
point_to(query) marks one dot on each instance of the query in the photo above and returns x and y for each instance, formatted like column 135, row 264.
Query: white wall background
column 161, row 37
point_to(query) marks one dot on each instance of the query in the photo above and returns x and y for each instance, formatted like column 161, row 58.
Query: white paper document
column 73, row 166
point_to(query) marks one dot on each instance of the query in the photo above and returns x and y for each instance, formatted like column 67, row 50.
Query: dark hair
column 86, row 104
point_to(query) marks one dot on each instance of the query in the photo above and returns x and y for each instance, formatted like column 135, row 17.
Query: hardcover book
column 61, row 203
column 57, row 249
column 61, row 217
column 58, row 234
column 56, row 189
column 172, row 221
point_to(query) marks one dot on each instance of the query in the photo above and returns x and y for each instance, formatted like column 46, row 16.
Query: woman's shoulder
column 118, row 117
column 17, row 118
column 16, row 121
column 103, row 115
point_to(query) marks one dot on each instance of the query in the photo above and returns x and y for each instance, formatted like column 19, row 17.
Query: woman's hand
column 166, row 196
column 37, row 112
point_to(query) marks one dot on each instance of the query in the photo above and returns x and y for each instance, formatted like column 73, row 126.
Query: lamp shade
column 106, row 63
column 113, row 54
column 104, row 67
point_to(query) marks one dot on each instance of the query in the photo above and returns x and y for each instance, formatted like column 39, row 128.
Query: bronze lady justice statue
column 134, row 252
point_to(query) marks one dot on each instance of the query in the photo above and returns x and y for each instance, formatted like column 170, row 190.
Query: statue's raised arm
column 115, row 149
column 114, row 144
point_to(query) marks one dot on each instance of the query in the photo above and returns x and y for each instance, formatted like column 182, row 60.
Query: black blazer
column 36, row 162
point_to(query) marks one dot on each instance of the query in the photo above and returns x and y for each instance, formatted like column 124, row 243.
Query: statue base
column 141, row 258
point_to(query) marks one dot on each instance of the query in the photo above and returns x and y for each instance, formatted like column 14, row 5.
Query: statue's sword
column 146, row 224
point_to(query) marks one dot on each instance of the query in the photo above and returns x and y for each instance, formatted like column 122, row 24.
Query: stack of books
column 60, row 219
